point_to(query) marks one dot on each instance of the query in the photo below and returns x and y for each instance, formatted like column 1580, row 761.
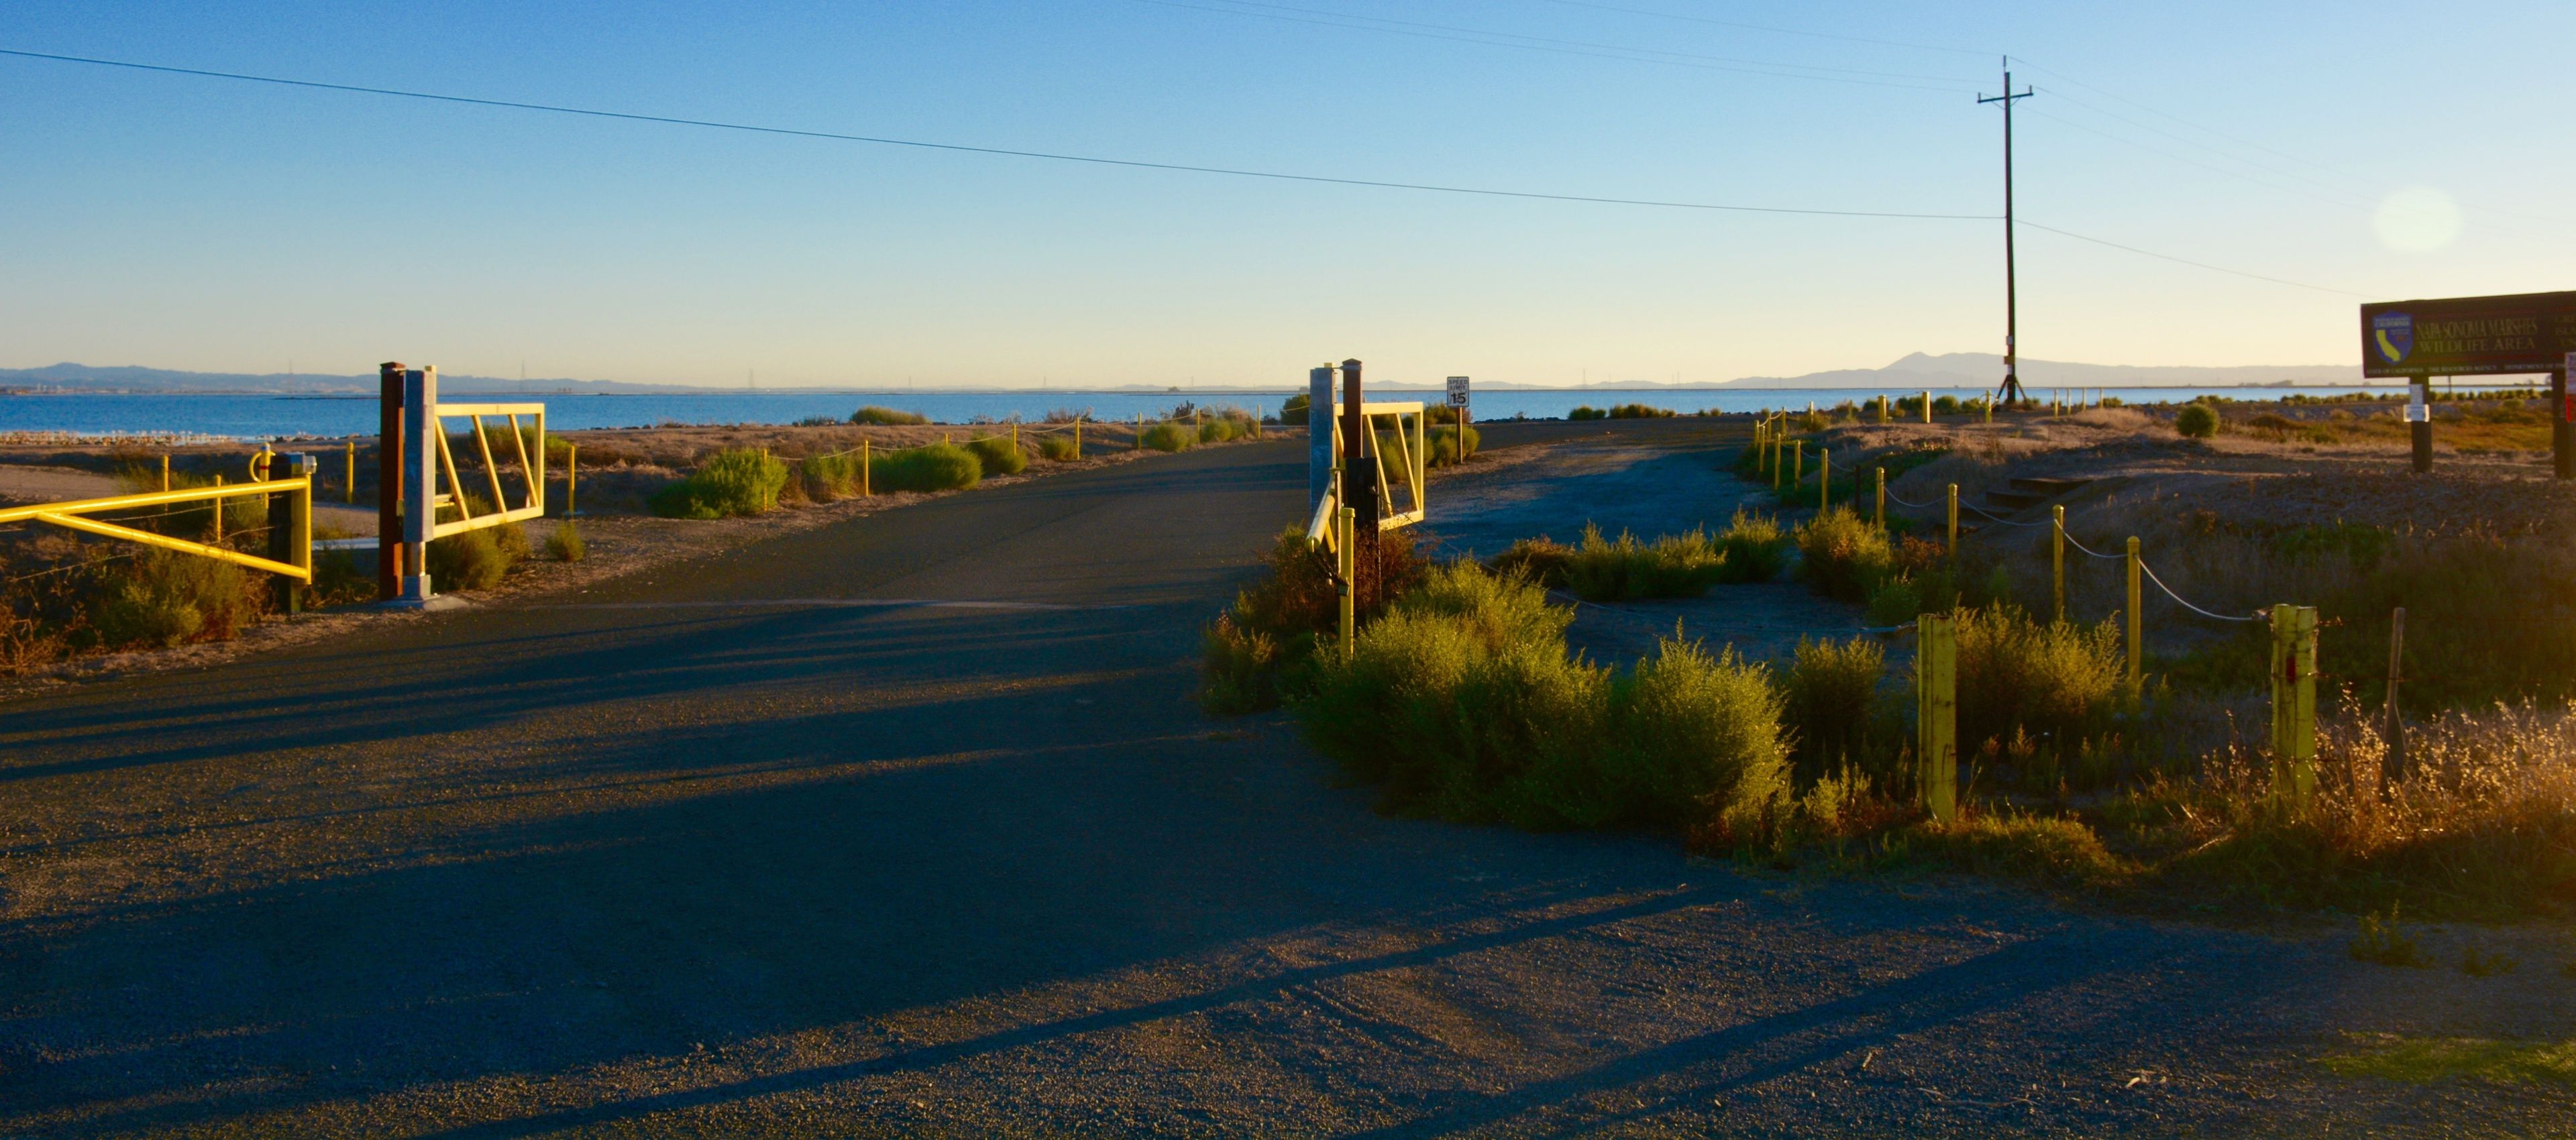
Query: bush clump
column 1672, row 566
column 1587, row 412
column 737, row 481
column 472, row 560
column 1058, row 448
column 1640, row 412
column 930, row 467
column 2196, row 421
column 1451, row 446
column 1293, row 413
column 1844, row 556
column 2055, row 682
column 997, row 455
column 1222, row 429
column 1829, row 696
column 827, row 477
column 1170, row 437
column 1754, row 549
column 1259, row 648
column 565, row 545
column 164, row 598
column 1464, row 703
column 887, row 417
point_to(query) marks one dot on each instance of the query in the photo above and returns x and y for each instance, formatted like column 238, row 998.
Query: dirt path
column 908, row 825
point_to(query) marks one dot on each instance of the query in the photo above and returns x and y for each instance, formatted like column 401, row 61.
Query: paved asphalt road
column 908, row 826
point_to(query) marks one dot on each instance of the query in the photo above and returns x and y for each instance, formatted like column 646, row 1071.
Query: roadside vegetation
column 886, row 417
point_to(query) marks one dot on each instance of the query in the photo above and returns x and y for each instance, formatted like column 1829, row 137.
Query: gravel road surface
column 908, row 826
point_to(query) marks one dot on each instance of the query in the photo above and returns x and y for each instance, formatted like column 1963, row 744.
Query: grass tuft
column 887, row 417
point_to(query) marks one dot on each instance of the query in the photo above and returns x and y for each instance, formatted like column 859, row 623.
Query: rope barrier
column 1902, row 501
column 2070, row 541
column 2160, row 584
column 1966, row 505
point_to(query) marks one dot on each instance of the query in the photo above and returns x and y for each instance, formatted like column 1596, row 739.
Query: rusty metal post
column 1359, row 486
column 389, row 480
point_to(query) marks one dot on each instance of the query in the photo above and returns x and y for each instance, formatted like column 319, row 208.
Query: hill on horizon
column 1914, row 371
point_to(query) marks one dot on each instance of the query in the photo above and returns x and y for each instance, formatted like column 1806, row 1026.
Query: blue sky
column 190, row 223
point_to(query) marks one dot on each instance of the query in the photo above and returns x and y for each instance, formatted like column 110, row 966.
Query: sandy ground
column 1667, row 485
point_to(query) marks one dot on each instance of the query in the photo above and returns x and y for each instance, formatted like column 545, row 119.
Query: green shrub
column 1241, row 666
column 828, row 477
column 163, row 598
column 1058, row 448
column 1828, row 696
column 1698, row 737
column 2016, row 845
column 1293, row 413
column 1541, row 560
column 1945, row 405
column 2197, row 421
column 2058, row 682
column 1753, row 547
column 1170, row 437
column 1499, row 610
column 998, row 455
column 565, row 545
column 1587, row 412
column 1810, row 422
column 1220, row 430
column 1445, row 447
column 1895, row 601
column 930, row 467
column 1640, row 412
column 739, row 481
column 887, row 417
column 1673, row 566
column 1845, row 557
column 467, row 561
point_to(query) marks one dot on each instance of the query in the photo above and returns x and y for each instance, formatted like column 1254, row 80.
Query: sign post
column 1458, row 400
column 2515, row 333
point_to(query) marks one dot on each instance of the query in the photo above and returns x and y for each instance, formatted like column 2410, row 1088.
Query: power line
column 2190, row 262
column 713, row 124
column 1773, row 29
column 1571, row 47
column 717, row 124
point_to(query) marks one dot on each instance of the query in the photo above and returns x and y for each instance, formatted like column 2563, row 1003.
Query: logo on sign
column 2393, row 334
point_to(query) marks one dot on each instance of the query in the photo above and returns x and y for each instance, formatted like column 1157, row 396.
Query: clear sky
column 192, row 223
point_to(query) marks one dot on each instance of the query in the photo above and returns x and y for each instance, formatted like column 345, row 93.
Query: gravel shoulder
column 907, row 825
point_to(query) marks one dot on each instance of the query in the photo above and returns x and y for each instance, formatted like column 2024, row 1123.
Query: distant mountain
column 1986, row 370
column 1917, row 371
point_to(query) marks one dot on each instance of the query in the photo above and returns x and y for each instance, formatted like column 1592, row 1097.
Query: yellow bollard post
column 1824, row 479
column 1015, row 435
column 219, row 513
column 866, row 471
column 2057, row 557
column 1882, row 407
column 2137, row 626
column 352, row 488
column 2294, row 704
column 1077, row 437
column 1881, row 514
column 1953, row 548
column 1350, row 578
column 1797, row 463
column 165, row 471
column 1927, row 406
column 1936, row 716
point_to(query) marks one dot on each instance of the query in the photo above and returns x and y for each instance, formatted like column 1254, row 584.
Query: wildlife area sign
column 2468, row 336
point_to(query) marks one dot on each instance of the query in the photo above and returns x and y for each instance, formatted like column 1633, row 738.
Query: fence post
column 867, row 470
column 2294, row 703
column 1882, row 498
column 572, row 476
column 1798, row 463
column 1015, row 435
column 1349, row 523
column 2137, row 626
column 219, row 512
column 2057, row 556
column 1824, row 479
column 353, row 470
column 290, row 533
column 1077, row 436
column 2394, row 766
column 1936, row 715
column 1927, row 405
column 165, row 471
column 1882, row 407
column 1954, row 522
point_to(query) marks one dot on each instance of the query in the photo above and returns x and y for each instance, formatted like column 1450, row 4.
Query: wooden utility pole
column 2012, row 308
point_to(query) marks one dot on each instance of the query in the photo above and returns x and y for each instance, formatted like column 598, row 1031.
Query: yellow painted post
column 219, row 513
column 1927, row 406
column 1798, row 463
column 165, row 471
column 572, row 477
column 1881, row 514
column 2294, row 704
column 1015, row 435
column 1936, row 716
column 1350, row 576
column 1824, row 478
column 866, row 470
column 1882, row 407
column 1954, row 521
column 352, row 488
column 1077, row 437
column 2137, row 626
column 2057, row 556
